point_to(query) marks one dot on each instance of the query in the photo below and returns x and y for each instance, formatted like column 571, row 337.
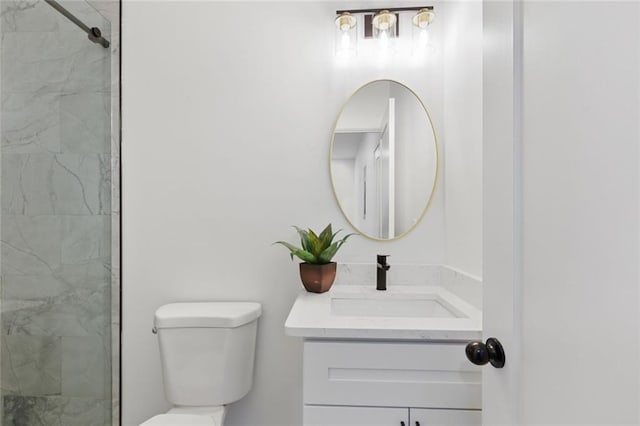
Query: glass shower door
column 56, row 217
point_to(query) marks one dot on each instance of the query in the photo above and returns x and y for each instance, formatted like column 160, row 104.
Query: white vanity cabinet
column 317, row 415
column 384, row 358
column 389, row 382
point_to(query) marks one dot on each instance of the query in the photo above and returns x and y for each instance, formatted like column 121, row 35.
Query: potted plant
column 317, row 271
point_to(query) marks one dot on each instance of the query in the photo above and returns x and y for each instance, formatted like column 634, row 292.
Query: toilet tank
column 207, row 351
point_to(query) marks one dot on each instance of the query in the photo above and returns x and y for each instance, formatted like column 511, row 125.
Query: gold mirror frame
column 437, row 168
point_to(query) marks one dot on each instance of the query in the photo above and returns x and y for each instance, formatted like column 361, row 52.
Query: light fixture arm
column 390, row 9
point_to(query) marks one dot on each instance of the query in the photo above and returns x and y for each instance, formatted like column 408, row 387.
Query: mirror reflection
column 384, row 160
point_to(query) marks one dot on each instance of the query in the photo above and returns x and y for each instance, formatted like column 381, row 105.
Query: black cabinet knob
column 402, row 424
column 481, row 353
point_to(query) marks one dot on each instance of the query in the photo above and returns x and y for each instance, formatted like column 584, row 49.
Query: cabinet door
column 327, row 415
column 393, row 374
column 437, row 417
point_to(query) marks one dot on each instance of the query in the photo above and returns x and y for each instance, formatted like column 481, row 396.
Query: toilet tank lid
column 207, row 314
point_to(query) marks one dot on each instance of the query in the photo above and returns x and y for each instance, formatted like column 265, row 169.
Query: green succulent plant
column 316, row 249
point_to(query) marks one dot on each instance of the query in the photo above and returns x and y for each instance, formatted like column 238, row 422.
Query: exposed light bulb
column 384, row 39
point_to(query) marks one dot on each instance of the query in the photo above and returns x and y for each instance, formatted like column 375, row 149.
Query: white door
column 561, row 193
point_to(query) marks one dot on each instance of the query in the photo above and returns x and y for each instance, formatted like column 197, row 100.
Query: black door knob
column 481, row 353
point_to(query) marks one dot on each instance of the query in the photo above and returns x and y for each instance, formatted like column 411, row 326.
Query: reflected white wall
column 463, row 135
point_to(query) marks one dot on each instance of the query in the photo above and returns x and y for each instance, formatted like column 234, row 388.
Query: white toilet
column 207, row 352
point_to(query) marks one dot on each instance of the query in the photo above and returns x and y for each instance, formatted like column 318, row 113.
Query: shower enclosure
column 59, row 221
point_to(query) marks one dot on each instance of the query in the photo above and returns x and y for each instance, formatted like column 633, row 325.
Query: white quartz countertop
column 319, row 316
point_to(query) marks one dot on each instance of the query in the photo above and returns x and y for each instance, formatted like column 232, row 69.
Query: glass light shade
column 421, row 22
column 346, row 36
column 385, row 28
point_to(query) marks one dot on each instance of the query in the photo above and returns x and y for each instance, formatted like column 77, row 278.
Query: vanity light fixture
column 382, row 25
column 346, row 35
column 421, row 22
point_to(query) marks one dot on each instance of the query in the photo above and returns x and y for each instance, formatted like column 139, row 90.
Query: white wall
column 463, row 134
column 228, row 110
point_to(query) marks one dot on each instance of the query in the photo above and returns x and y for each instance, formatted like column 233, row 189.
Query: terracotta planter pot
column 317, row 278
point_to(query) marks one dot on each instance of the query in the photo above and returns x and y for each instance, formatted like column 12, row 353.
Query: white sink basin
column 409, row 312
column 396, row 302
column 426, row 308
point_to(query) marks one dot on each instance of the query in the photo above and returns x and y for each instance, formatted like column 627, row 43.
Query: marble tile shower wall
column 57, row 199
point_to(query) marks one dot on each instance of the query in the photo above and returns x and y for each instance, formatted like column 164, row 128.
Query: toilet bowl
column 207, row 352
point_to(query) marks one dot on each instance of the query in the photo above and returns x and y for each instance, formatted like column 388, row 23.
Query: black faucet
column 383, row 267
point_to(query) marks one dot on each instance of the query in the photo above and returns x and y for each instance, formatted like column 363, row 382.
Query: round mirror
column 384, row 160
